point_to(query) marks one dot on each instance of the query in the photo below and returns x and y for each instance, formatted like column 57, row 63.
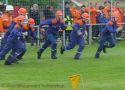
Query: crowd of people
column 13, row 29
column 99, row 14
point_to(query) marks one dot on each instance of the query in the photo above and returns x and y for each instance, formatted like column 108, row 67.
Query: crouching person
column 15, row 41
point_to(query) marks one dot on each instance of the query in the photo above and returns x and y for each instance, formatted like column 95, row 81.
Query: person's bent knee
column 81, row 46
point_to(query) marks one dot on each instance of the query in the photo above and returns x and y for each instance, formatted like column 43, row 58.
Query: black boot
column 2, row 58
column 61, row 50
column 11, row 59
column 20, row 57
column 53, row 57
column 104, row 49
column 77, row 56
column 38, row 55
column 97, row 55
column 7, row 63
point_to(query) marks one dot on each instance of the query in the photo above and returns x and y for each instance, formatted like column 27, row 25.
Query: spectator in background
column 107, row 6
column 2, row 7
column 100, row 18
column 83, row 9
column 16, row 8
column 123, row 34
column 119, row 14
column 35, row 14
column 68, row 21
column 49, row 13
column 1, row 26
column 124, row 18
column 67, row 9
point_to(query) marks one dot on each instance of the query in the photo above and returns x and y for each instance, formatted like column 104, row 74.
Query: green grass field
column 106, row 73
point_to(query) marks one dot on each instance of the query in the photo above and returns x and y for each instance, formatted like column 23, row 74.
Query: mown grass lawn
column 106, row 73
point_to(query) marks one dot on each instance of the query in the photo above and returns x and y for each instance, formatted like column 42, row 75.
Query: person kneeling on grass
column 76, row 36
column 106, row 36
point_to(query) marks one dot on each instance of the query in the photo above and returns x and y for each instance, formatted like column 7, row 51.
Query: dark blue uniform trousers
column 50, row 40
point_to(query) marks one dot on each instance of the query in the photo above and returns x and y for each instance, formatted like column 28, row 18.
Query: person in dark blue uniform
column 51, row 32
column 76, row 36
column 15, row 42
column 106, row 36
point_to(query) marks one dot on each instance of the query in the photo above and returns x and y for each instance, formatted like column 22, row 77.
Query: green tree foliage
column 30, row 2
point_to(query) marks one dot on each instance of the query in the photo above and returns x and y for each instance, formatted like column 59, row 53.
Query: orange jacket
column 93, row 13
column 75, row 14
column 6, row 18
column 1, row 25
column 117, row 13
column 15, row 20
column 105, row 10
column 120, row 19
column 26, row 27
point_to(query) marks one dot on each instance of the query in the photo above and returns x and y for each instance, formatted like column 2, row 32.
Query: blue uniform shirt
column 76, row 27
column 52, row 27
column 16, row 34
column 108, row 29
